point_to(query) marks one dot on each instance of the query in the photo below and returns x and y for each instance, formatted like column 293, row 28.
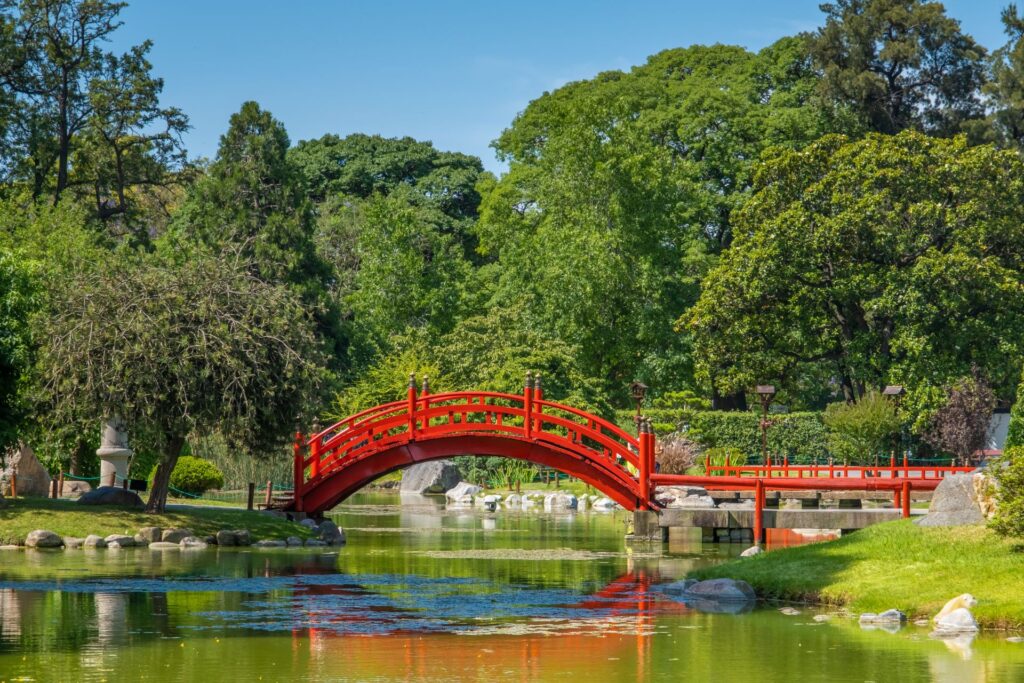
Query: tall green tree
column 1005, row 89
column 893, row 259
column 621, row 187
column 410, row 277
column 18, row 300
column 83, row 119
column 253, row 200
column 180, row 346
column 899, row 64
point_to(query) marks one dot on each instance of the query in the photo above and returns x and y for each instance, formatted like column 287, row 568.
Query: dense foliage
column 836, row 212
column 799, row 436
column 193, row 476
column 1008, row 472
column 863, row 429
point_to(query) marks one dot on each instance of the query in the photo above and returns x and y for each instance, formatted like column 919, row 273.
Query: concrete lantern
column 113, row 452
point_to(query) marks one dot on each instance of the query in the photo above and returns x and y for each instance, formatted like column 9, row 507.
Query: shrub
column 676, row 454
column 1015, row 437
column 1008, row 472
column 960, row 427
column 194, row 476
column 859, row 431
column 800, row 436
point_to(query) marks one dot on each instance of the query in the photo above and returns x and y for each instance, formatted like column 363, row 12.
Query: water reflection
column 424, row 593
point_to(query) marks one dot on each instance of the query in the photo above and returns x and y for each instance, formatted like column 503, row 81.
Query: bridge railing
column 525, row 416
column 833, row 471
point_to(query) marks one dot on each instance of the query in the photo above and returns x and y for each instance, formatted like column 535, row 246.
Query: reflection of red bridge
column 338, row 461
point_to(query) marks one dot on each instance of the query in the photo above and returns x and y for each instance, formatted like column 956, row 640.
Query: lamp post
column 766, row 392
column 895, row 392
column 638, row 390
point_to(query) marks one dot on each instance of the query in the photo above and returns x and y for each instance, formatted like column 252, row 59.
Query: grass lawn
column 896, row 564
column 20, row 516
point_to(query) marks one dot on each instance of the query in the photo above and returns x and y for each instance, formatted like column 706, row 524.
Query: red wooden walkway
column 336, row 462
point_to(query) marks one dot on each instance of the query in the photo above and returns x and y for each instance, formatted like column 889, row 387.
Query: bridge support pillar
column 646, row 526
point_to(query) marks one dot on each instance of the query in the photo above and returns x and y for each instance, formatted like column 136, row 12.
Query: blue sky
column 455, row 73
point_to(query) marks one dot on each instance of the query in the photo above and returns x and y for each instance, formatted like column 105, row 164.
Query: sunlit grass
column 897, row 564
column 20, row 516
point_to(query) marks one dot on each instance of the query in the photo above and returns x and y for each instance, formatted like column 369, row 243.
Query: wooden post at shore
column 251, row 494
column 270, row 494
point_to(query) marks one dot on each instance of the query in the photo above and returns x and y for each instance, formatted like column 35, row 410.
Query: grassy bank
column 896, row 564
column 67, row 518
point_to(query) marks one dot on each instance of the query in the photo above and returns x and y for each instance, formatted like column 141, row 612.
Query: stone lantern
column 114, row 452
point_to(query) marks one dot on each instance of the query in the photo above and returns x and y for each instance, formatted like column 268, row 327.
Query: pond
column 424, row 593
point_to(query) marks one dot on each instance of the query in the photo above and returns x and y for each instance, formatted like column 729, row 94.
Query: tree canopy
column 889, row 259
column 899, row 64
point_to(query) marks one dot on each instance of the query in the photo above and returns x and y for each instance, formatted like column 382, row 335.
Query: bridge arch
column 336, row 462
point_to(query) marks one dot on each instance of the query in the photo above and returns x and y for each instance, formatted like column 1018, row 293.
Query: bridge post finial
column 425, row 390
column 528, row 384
column 538, row 389
column 528, row 405
column 412, row 381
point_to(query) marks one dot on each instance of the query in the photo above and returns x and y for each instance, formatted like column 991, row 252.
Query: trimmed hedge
column 800, row 436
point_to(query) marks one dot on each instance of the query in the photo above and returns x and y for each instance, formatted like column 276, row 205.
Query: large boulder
column 175, row 535
column 330, row 533
column 94, row 541
column 121, row 541
column 960, row 499
column 111, row 495
column 230, row 537
column 41, row 538
column 958, row 621
column 436, row 476
column 150, row 534
column 462, row 493
column 33, row 479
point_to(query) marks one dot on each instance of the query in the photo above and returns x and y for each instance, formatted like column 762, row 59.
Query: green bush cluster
column 801, row 436
column 194, row 476
column 1009, row 475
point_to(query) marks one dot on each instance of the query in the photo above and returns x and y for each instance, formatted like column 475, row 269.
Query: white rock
column 604, row 504
column 461, row 490
column 191, row 542
column 492, row 498
column 555, row 502
column 514, row 501
column 164, row 545
column 959, row 620
column 269, row 543
column 751, row 551
column 789, row 611
column 821, row 617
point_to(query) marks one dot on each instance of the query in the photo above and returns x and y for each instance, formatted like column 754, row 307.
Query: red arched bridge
column 338, row 461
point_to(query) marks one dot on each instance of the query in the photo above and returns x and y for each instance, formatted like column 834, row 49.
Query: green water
column 424, row 594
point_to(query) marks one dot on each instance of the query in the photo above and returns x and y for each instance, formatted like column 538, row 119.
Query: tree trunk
column 79, row 454
column 162, row 479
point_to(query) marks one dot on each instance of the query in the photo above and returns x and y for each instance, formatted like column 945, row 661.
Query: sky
column 452, row 72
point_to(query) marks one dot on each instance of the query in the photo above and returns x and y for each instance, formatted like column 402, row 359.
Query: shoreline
column 894, row 565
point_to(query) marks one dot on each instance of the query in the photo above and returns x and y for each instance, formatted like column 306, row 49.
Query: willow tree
column 180, row 346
